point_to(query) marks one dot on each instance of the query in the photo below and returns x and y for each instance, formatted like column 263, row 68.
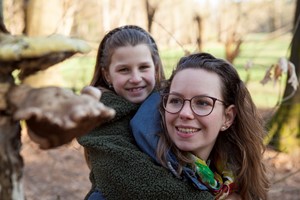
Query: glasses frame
column 190, row 101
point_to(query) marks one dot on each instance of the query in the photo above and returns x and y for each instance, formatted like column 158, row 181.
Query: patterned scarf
column 219, row 185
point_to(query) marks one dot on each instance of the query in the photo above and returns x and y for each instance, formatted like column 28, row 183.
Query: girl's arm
column 121, row 171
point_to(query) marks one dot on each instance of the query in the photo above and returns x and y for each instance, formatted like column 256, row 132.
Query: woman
column 212, row 134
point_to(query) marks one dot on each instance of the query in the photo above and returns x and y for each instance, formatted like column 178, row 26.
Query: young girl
column 127, row 69
column 211, row 127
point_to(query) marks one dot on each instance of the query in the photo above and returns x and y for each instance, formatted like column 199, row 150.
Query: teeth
column 187, row 130
column 135, row 89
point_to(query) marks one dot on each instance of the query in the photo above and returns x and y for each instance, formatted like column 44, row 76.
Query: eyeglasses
column 200, row 105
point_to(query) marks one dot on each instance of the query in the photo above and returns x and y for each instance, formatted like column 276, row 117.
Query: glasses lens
column 172, row 103
column 202, row 105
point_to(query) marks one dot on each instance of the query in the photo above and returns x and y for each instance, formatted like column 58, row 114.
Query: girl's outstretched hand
column 55, row 116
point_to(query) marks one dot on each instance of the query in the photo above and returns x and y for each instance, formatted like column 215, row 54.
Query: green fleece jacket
column 120, row 170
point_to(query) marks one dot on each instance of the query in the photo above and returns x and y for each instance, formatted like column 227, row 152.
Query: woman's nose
column 186, row 111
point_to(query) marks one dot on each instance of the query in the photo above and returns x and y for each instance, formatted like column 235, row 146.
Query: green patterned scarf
column 221, row 185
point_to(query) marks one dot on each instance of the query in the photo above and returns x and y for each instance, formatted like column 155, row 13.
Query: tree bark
column 2, row 26
column 43, row 18
column 284, row 127
column 198, row 20
column 150, row 10
column 11, row 162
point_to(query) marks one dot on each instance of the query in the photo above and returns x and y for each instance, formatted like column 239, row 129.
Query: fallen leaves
column 276, row 71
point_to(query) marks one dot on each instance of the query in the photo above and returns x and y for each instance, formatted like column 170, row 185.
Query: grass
column 77, row 71
column 257, row 48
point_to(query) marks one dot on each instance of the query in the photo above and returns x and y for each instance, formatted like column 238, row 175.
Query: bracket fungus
column 32, row 54
column 54, row 116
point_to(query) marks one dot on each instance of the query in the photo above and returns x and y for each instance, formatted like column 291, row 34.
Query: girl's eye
column 123, row 70
column 144, row 67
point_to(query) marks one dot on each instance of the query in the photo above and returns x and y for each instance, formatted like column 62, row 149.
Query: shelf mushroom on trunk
column 54, row 116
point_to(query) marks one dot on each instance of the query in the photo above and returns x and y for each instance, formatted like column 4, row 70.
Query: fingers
column 92, row 91
column 55, row 116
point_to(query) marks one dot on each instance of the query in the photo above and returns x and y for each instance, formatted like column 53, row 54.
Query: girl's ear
column 106, row 76
column 230, row 113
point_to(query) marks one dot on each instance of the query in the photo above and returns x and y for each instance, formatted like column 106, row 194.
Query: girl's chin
column 136, row 99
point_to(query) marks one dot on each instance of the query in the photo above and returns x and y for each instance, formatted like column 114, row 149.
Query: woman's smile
column 187, row 132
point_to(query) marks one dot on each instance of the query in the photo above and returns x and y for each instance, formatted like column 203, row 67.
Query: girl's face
column 132, row 72
column 190, row 132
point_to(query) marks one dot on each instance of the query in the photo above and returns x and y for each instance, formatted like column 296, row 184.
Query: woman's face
column 190, row 132
column 132, row 72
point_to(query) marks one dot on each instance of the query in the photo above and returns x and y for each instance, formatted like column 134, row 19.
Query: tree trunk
column 43, row 18
column 198, row 20
column 233, row 39
column 284, row 127
column 11, row 163
column 2, row 26
column 150, row 10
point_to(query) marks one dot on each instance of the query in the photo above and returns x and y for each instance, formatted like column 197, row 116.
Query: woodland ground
column 62, row 173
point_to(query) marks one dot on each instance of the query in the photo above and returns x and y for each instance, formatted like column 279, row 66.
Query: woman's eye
column 202, row 103
column 175, row 101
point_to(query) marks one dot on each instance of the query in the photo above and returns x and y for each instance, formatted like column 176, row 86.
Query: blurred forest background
column 254, row 31
column 253, row 35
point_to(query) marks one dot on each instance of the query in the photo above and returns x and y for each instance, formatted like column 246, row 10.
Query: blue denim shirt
column 145, row 125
